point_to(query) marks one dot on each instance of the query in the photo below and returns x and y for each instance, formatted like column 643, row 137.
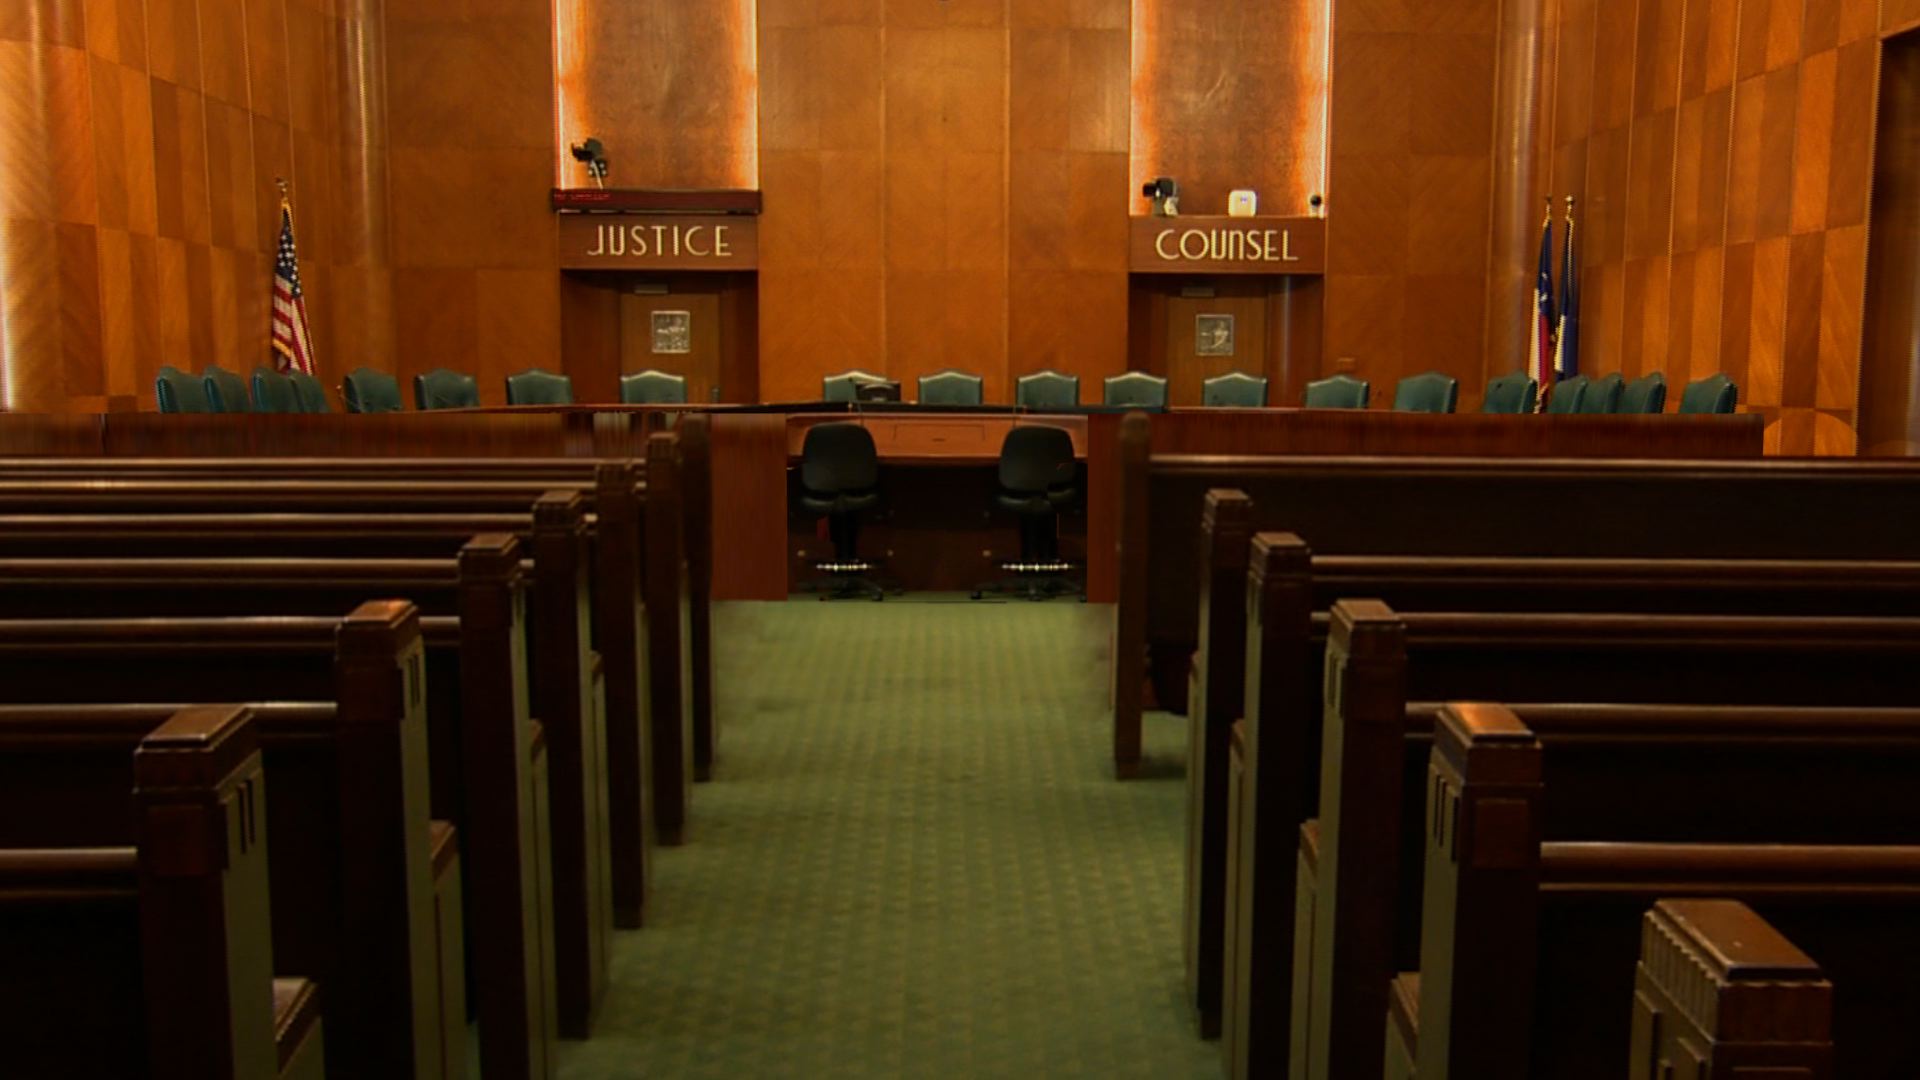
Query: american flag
column 292, row 342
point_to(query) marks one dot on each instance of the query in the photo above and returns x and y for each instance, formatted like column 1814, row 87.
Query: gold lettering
column 1286, row 247
column 618, row 246
column 660, row 239
column 599, row 241
column 1186, row 252
column 693, row 249
column 638, row 241
column 676, row 241
column 720, row 248
column 1160, row 245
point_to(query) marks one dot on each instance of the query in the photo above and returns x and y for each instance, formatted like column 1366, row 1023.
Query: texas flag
column 1540, row 353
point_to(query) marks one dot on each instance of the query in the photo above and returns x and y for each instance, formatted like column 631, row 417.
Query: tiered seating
column 1307, row 815
column 529, row 692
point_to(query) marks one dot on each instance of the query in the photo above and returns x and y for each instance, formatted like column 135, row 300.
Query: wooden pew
column 1507, row 914
column 1719, row 992
column 367, row 888
column 156, row 960
column 1274, row 606
column 1356, row 868
column 565, row 685
column 619, row 630
column 499, row 790
column 1561, row 506
column 692, row 435
column 618, row 549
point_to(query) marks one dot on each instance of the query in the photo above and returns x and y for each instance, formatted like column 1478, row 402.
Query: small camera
column 593, row 155
column 1165, row 194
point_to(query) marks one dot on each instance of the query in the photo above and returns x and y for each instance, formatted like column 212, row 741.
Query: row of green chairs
column 1519, row 393
column 217, row 390
column 370, row 391
column 367, row 390
column 1055, row 390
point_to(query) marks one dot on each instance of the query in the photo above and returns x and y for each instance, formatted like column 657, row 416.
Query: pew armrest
column 1403, row 1026
column 296, row 1029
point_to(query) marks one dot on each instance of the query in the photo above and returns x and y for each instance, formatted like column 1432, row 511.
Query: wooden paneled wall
column 1410, row 189
column 1231, row 94
column 470, row 101
column 945, row 187
column 666, row 85
column 138, row 212
column 1721, row 151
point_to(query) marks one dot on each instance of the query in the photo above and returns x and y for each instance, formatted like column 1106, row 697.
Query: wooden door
column 1190, row 361
column 650, row 338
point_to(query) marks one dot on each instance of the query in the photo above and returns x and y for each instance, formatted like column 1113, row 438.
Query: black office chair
column 1038, row 478
column 840, row 479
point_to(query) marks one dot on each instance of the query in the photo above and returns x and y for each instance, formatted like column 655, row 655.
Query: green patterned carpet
column 913, row 861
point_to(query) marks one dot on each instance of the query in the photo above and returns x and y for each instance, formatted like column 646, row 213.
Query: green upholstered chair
column 368, row 390
column 1715, row 394
column 175, row 391
column 846, row 385
column 951, row 387
column 1515, row 392
column 1568, row 396
column 1337, row 392
column 308, row 394
column 653, row 387
column 226, row 392
column 1234, row 390
column 444, row 389
column 1603, row 395
column 273, row 392
column 536, row 387
column 1047, row 390
column 1138, row 389
column 1646, row 394
column 1429, row 391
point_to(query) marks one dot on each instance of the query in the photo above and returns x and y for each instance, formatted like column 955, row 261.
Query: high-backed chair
column 1338, row 392
column 1047, row 390
column 175, row 391
column 368, row 390
column 273, row 392
column 1234, row 390
column 1515, row 392
column 444, row 389
column 1038, row 477
column 308, row 395
column 537, row 387
column 226, row 392
column 1603, row 395
column 1429, row 391
column 840, row 479
column 1568, row 396
column 1135, row 388
column 846, row 385
column 653, row 387
column 951, row 387
column 1646, row 394
column 1714, row 394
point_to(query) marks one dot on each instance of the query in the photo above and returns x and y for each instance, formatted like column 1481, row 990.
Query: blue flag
column 1566, row 359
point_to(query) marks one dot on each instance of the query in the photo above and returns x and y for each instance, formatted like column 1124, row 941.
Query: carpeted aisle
column 912, row 861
